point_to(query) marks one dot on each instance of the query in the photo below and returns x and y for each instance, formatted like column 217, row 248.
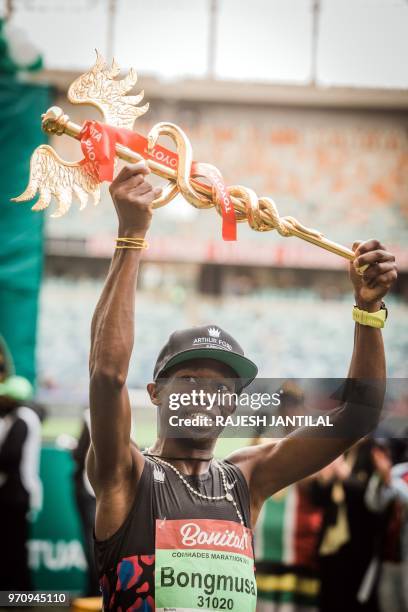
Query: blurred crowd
column 338, row 540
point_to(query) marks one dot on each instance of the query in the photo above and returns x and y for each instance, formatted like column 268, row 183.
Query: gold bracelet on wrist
column 131, row 243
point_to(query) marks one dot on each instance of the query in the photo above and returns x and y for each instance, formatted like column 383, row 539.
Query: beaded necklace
column 227, row 496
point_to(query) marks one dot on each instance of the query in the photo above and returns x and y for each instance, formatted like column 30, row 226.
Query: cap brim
column 244, row 367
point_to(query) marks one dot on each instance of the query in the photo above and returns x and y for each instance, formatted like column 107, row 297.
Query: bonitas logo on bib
column 193, row 535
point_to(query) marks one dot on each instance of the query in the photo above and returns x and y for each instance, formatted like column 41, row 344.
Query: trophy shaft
column 55, row 121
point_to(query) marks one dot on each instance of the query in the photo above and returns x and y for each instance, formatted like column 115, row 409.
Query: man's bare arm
column 271, row 466
column 112, row 460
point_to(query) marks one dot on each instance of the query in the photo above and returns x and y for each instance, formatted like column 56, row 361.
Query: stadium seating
column 288, row 333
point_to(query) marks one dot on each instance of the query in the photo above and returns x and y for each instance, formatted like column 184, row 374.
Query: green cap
column 17, row 388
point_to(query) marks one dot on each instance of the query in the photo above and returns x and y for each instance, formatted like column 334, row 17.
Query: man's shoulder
column 250, row 454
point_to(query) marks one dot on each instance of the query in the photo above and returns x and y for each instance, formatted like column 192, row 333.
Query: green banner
column 56, row 555
column 21, row 230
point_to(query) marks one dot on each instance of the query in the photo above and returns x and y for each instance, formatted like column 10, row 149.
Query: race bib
column 204, row 564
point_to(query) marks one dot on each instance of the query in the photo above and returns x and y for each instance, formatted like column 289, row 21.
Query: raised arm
column 112, row 462
column 271, row 466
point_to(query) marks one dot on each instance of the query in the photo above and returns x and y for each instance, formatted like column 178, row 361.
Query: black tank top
column 126, row 561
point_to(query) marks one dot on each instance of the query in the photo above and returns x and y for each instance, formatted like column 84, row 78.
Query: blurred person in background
column 287, row 535
column 352, row 535
column 85, row 501
column 20, row 485
column 388, row 490
column 140, row 496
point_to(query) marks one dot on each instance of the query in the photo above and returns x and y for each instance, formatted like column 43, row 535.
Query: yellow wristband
column 372, row 319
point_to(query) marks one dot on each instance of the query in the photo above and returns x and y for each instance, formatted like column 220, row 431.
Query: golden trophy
column 51, row 176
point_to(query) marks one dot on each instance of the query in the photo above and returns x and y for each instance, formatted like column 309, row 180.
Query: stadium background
column 326, row 138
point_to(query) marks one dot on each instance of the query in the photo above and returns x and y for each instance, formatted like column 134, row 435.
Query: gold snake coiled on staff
column 260, row 213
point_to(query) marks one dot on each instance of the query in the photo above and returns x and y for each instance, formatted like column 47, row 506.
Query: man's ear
column 153, row 391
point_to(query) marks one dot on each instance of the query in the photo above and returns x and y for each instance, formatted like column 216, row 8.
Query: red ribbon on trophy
column 98, row 142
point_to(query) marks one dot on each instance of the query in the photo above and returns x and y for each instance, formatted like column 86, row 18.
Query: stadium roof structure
column 238, row 92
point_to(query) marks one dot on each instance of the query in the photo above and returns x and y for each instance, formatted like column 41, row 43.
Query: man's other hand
column 381, row 274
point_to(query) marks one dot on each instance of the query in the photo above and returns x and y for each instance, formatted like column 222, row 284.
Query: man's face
column 199, row 391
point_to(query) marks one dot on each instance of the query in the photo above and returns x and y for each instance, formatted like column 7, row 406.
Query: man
column 85, row 502
column 351, row 534
column 287, row 532
column 20, row 485
column 388, row 491
column 173, row 525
